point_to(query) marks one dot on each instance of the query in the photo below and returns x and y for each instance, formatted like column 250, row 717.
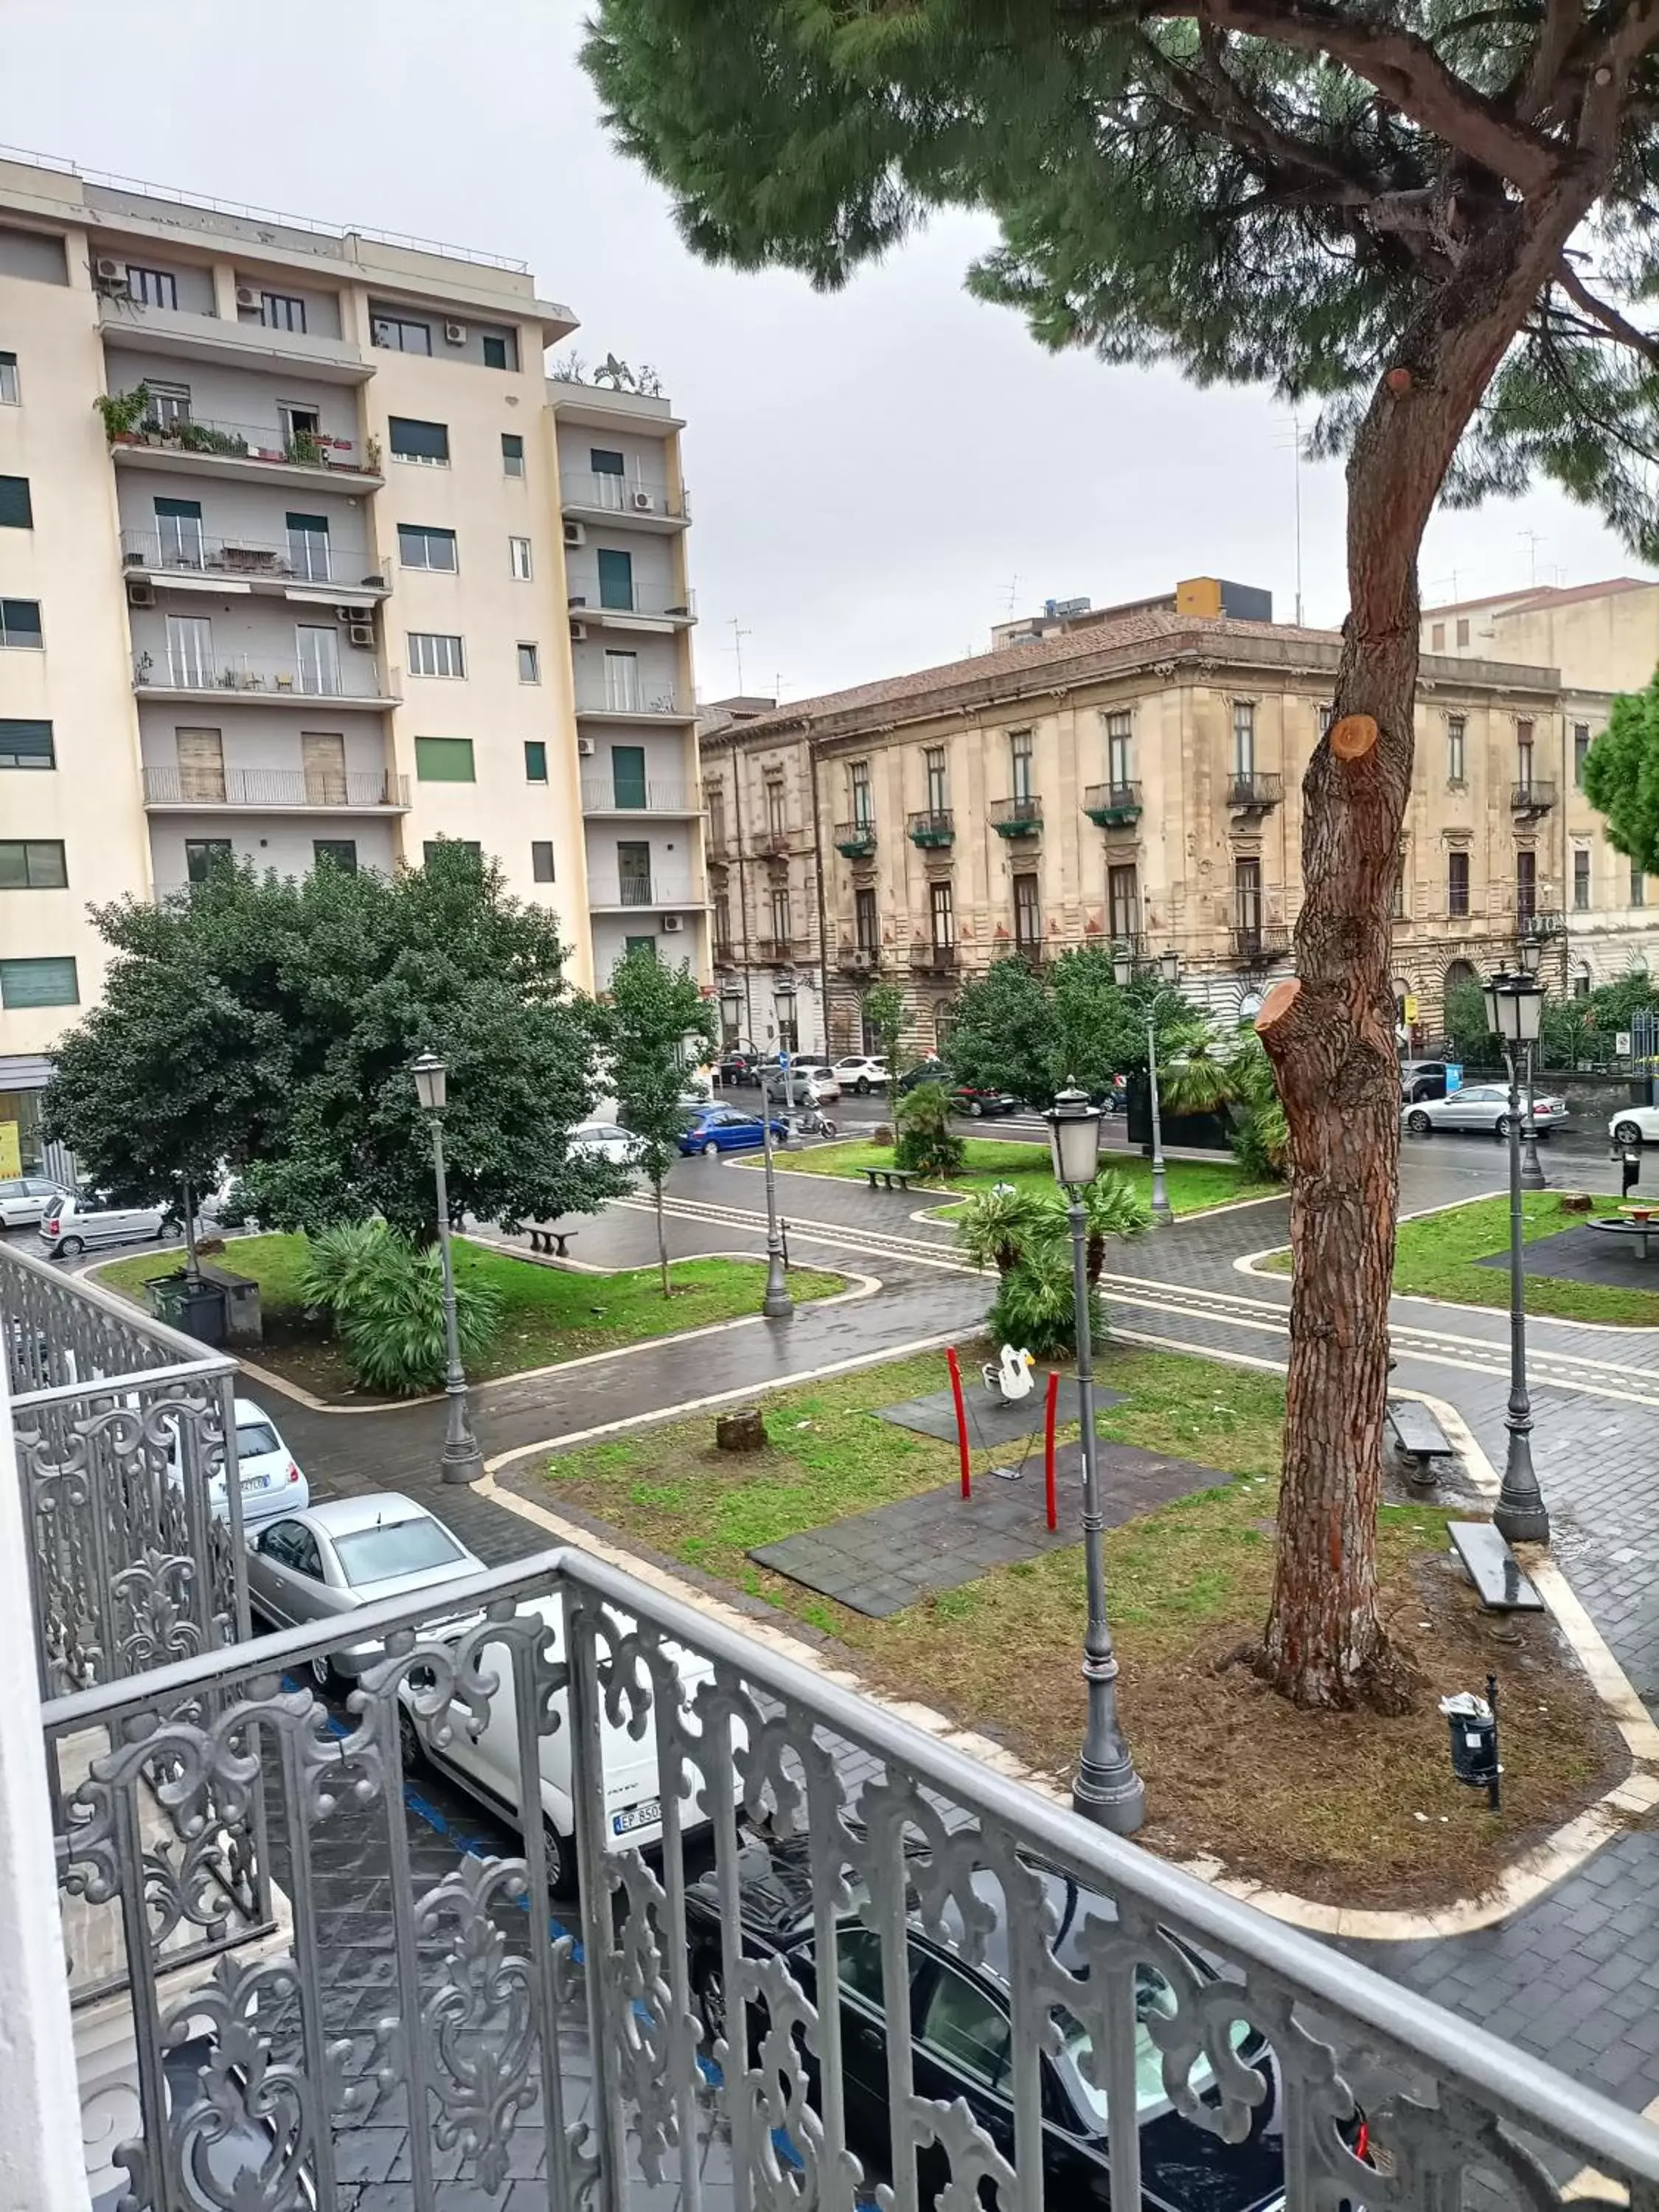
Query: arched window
column 1459, row 972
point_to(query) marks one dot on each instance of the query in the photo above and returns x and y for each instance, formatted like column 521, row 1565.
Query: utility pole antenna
column 739, row 634
column 1296, row 467
column 1013, row 591
column 1534, row 540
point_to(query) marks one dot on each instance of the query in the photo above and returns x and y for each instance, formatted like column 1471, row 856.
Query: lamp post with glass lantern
column 1107, row 1790
column 1530, row 952
column 462, row 1460
column 1169, row 969
column 776, row 1304
column 1514, row 1003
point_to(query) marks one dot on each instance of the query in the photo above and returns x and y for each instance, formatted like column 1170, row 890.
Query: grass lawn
column 1435, row 1256
column 1194, row 1184
column 548, row 1314
column 1325, row 1806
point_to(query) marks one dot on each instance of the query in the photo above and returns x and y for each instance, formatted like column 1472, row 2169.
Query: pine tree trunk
column 662, row 1237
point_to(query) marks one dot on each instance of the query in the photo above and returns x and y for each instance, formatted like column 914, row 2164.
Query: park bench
column 544, row 1239
column 893, row 1178
column 1492, row 1568
column 1417, row 1435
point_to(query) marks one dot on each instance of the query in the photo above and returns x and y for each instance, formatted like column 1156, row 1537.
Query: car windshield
column 396, row 1547
column 255, row 1439
column 1154, row 2000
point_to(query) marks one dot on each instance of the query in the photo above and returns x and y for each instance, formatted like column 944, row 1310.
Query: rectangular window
column 623, row 694
column 203, row 854
column 27, row 744
column 1523, row 755
column 1457, row 726
column 281, row 311
column 1437, row 637
column 413, row 441
column 420, row 546
column 603, row 463
column 866, row 929
column 518, row 558
column 189, row 652
column 1028, row 922
column 32, row 864
column 1457, row 883
column 633, row 872
column 530, row 663
column 16, row 511
column 1526, row 885
column 781, row 923
column 1019, row 756
column 169, row 403
column 1123, row 902
column 1397, row 898
column 1247, row 899
column 863, row 812
column 444, row 760
column 776, row 824
column 1581, row 745
column 616, row 580
column 494, row 356
column 722, row 922
column 308, row 553
column 627, row 775
column 179, row 539
column 511, row 453
column 1120, row 752
column 1463, row 629
column 1639, row 884
column 9, row 394
column 939, row 789
column 339, row 852
column 1581, row 880
column 541, row 850
column 317, row 650
column 322, row 765
column 37, row 983
column 649, row 946
column 432, row 653
column 941, row 914
column 19, row 626
column 152, row 288
column 714, row 797
column 1243, row 737
column 535, row 760
column 399, row 335
column 201, row 766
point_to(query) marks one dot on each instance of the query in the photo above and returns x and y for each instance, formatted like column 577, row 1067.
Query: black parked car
column 930, row 1070
column 1422, row 1079
column 740, row 1068
column 962, row 2043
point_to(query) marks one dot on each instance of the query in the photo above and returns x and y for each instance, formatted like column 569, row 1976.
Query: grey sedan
column 1482, row 1106
column 331, row 1561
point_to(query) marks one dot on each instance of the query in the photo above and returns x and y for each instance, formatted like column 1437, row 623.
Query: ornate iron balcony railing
column 643, row 2021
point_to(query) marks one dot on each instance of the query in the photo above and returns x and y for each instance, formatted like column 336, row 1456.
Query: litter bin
column 201, row 1311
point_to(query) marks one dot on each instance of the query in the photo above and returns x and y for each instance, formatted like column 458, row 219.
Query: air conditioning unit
column 247, row 296
column 643, row 502
column 579, row 633
column 585, row 748
column 351, row 614
column 109, row 271
column 362, row 634
column 576, row 533
column 671, row 922
column 454, row 333
column 139, row 593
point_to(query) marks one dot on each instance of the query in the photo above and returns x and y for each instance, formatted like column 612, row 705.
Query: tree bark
column 662, row 1236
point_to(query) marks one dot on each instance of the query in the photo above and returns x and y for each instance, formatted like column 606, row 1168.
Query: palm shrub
column 1262, row 1135
column 1026, row 1235
column 926, row 1143
column 387, row 1299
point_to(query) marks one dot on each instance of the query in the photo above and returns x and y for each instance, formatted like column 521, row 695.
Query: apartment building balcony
column 189, row 1765
column 274, row 790
column 629, row 894
column 254, row 452
column 248, row 682
column 1254, row 793
column 181, row 335
column 770, row 844
column 304, row 566
column 1113, row 806
column 651, row 797
column 636, row 701
column 857, row 960
column 589, row 496
column 929, row 958
column 1252, row 943
column 1016, row 818
column 773, row 952
column 1533, row 797
column 854, row 841
column 638, row 606
column 933, row 827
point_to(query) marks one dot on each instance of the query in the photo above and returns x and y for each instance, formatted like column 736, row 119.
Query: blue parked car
column 723, row 1129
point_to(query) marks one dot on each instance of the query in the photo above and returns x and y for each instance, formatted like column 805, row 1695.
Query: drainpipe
column 817, row 877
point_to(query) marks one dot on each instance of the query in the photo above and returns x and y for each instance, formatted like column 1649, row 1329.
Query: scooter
column 811, row 1123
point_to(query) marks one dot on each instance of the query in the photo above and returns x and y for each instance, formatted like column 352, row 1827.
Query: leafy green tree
column 652, row 1014
column 1032, row 1032
column 883, row 1008
column 1430, row 218
column 307, row 999
column 1621, row 777
column 926, row 1143
column 1002, row 1032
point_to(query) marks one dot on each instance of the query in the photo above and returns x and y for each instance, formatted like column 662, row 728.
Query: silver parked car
column 76, row 1225
column 1482, row 1106
column 329, row 1560
column 26, row 1199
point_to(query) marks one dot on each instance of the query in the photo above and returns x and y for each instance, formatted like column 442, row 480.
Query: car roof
column 345, row 1516
column 247, row 1411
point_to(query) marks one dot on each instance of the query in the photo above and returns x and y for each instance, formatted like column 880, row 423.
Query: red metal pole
column 1049, row 1498
column 962, row 1420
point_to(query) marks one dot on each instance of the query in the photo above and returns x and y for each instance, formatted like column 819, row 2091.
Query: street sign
column 1411, row 1006
column 1621, row 1044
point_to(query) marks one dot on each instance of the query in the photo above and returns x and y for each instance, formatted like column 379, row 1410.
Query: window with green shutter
column 535, row 760
column 27, row 744
column 420, row 547
column 16, row 511
column 414, row 440
column 37, row 983
column 444, row 760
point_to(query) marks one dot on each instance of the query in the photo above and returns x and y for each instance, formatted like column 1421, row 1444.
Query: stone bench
column 1492, row 1568
column 544, row 1239
column 1417, row 1435
column 891, row 1178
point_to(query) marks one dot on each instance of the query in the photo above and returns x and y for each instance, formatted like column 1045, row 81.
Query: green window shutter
column 37, row 983
column 27, row 744
column 15, row 512
column 184, row 510
column 315, row 524
column 628, row 775
column 604, row 463
column 535, row 758
column 413, row 441
column 444, row 760
column 616, row 578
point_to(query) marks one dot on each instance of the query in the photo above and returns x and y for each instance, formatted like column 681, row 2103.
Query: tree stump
column 1576, row 1201
column 744, row 1430
column 882, row 1134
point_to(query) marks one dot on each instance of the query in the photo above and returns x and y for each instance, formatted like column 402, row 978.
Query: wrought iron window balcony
column 928, row 958
column 1016, row 818
column 855, row 840
column 1255, row 793
column 1534, row 796
column 935, row 825
column 1253, row 941
column 770, row 844
column 1113, row 806
column 311, row 558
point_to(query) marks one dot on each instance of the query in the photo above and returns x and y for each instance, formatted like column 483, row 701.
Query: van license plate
column 646, row 1815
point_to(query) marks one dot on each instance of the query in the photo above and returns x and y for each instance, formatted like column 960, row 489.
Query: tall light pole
column 1169, row 969
column 777, row 1304
column 1513, row 1007
column 462, row 1460
column 1530, row 952
column 1107, row 1790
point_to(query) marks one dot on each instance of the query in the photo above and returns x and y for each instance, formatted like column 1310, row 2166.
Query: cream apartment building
column 1138, row 781
column 306, row 588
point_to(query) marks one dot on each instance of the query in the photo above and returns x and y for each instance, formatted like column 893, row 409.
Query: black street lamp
column 1107, row 1790
column 462, row 1460
column 1514, row 1005
column 776, row 1304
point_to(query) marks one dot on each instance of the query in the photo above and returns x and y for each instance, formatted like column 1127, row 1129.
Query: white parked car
column 1635, row 1125
column 77, row 1223
column 864, row 1073
column 26, row 1201
column 605, row 1141
column 267, row 1470
column 1482, row 1106
column 487, row 1765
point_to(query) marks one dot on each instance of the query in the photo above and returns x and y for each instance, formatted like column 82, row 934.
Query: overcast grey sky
column 876, row 477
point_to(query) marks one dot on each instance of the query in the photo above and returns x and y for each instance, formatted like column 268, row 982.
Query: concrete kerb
column 1534, row 1873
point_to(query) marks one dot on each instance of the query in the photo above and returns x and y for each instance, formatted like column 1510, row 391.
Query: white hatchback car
column 1635, row 1125
column 77, row 1225
column 605, row 1141
column 269, row 1472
